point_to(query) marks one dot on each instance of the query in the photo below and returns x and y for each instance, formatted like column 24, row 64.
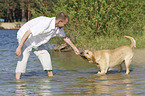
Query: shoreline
column 12, row 25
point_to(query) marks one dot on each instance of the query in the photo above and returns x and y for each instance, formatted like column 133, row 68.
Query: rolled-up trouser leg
column 44, row 58
column 21, row 65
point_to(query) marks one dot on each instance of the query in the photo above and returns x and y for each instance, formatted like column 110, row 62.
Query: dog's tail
column 133, row 44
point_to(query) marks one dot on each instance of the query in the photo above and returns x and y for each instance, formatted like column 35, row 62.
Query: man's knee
column 41, row 52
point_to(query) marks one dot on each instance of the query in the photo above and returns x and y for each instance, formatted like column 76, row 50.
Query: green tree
column 16, row 10
column 42, row 8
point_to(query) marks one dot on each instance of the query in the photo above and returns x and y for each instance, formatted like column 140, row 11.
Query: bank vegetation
column 98, row 24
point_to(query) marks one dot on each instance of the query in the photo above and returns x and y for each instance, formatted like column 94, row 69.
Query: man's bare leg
column 50, row 73
column 18, row 76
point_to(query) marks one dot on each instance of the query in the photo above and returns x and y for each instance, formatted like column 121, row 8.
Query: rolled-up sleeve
column 60, row 33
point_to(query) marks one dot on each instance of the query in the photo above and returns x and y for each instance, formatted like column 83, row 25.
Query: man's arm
column 68, row 41
column 24, row 38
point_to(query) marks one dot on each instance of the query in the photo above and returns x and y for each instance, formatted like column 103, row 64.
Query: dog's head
column 86, row 55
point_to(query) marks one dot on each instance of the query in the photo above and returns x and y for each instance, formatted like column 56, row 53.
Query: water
column 72, row 75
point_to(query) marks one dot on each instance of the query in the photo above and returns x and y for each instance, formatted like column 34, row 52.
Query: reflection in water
column 21, row 89
column 41, row 87
column 117, row 85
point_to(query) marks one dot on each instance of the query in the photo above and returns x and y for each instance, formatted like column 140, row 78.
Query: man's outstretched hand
column 77, row 52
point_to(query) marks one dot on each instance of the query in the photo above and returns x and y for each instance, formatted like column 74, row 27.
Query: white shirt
column 42, row 28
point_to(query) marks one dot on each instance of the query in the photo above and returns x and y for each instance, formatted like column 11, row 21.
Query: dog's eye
column 87, row 53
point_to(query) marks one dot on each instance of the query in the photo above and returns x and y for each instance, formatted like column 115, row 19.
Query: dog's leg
column 127, row 63
column 105, row 65
column 127, row 67
column 107, row 61
column 120, row 68
column 103, row 68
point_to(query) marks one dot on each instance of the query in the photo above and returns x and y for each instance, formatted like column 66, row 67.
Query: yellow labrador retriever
column 106, row 59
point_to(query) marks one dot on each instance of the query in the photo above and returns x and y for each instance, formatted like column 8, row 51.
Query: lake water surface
column 72, row 75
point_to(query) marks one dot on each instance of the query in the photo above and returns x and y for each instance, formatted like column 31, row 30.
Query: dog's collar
column 93, row 59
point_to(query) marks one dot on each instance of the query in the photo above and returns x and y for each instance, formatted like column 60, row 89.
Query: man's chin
column 59, row 27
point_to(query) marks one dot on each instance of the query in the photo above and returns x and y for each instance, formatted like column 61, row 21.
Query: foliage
column 91, row 19
column 101, row 16
column 44, row 8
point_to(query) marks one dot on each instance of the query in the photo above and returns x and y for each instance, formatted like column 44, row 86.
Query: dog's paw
column 127, row 73
column 100, row 73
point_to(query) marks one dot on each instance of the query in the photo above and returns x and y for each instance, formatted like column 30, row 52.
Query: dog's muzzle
column 81, row 54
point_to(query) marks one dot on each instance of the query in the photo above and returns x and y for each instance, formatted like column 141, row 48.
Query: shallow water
column 72, row 75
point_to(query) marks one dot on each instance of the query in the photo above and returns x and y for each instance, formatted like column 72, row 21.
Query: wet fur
column 106, row 59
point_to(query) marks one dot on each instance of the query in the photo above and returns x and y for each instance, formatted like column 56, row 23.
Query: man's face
column 61, row 23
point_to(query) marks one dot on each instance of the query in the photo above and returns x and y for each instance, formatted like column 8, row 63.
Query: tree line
column 18, row 10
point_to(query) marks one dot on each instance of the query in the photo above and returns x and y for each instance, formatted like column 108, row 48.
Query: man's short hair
column 62, row 16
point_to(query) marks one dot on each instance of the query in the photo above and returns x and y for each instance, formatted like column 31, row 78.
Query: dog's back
column 119, row 54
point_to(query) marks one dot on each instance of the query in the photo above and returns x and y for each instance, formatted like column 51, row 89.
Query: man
column 36, row 32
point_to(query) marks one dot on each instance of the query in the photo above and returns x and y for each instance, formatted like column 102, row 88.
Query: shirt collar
column 53, row 23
